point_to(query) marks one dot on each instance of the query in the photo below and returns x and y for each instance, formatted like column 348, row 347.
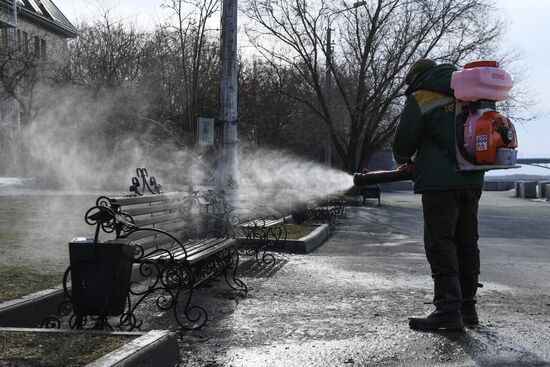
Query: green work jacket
column 425, row 134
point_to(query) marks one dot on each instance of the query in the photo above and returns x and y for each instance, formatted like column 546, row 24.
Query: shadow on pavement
column 251, row 269
column 487, row 347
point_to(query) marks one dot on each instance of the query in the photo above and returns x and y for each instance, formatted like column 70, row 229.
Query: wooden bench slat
column 212, row 250
column 196, row 246
column 262, row 223
column 154, row 219
column 191, row 245
column 273, row 222
column 327, row 208
column 174, row 196
column 159, row 241
column 169, row 227
column 150, row 209
column 193, row 248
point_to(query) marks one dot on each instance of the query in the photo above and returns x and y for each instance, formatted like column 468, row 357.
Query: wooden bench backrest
column 167, row 212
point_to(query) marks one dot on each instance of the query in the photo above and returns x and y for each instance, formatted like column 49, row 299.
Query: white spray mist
column 73, row 140
column 283, row 180
column 76, row 143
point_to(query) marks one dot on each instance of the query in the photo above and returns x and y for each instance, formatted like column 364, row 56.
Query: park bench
column 263, row 235
column 321, row 213
column 179, row 247
column 370, row 192
column 324, row 211
column 263, row 229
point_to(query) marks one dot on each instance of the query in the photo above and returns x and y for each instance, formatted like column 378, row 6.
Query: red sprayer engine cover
column 487, row 132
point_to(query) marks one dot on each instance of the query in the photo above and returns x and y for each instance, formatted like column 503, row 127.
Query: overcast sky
column 528, row 30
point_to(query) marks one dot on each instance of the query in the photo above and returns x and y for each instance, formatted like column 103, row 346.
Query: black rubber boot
column 468, row 287
column 447, row 301
column 469, row 314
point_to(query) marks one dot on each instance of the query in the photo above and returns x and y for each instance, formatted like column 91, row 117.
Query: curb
column 303, row 245
column 157, row 348
column 30, row 310
column 310, row 242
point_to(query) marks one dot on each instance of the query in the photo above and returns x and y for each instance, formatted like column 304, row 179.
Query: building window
column 36, row 46
column 43, row 49
column 26, row 42
column 5, row 38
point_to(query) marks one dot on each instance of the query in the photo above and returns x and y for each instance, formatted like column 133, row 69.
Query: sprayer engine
column 490, row 138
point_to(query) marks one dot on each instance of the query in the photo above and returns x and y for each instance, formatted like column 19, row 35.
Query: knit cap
column 418, row 68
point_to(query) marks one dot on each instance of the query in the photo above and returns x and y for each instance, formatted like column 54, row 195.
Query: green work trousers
column 450, row 231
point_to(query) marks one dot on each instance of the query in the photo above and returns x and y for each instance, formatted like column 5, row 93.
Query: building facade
column 33, row 44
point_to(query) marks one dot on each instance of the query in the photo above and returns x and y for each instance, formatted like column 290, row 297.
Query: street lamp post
column 328, row 81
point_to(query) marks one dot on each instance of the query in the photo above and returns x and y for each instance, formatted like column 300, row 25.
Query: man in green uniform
column 450, row 198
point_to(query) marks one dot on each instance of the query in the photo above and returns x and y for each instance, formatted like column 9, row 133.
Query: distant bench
column 263, row 229
column 324, row 211
column 263, row 235
column 370, row 192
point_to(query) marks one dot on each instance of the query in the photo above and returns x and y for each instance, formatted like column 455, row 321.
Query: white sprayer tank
column 486, row 81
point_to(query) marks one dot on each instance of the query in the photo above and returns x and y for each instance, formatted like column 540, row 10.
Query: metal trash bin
column 100, row 276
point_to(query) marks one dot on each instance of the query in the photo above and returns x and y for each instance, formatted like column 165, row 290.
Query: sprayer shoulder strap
column 428, row 100
column 442, row 148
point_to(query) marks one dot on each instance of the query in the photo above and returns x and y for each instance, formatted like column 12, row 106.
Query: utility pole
column 227, row 164
column 14, row 66
column 328, row 82
column 328, row 97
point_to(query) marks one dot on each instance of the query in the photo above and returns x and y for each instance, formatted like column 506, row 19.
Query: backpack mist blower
column 485, row 139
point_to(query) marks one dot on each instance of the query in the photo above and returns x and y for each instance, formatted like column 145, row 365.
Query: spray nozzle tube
column 402, row 173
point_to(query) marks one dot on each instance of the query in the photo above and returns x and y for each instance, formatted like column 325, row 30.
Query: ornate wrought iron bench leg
column 260, row 251
column 279, row 233
column 231, row 266
column 257, row 244
column 262, row 256
column 250, row 242
column 196, row 316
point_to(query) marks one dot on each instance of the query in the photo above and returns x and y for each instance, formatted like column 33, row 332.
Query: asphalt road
column 347, row 303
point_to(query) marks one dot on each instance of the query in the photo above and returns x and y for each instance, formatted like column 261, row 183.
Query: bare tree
column 377, row 43
column 107, row 53
column 267, row 116
column 192, row 32
column 22, row 66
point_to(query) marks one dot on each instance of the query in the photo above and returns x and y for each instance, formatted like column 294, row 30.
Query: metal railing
column 537, row 162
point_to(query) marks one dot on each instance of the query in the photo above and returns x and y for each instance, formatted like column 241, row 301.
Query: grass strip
column 297, row 231
column 31, row 349
column 18, row 281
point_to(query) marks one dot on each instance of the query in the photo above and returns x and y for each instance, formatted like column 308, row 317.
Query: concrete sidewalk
column 348, row 302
